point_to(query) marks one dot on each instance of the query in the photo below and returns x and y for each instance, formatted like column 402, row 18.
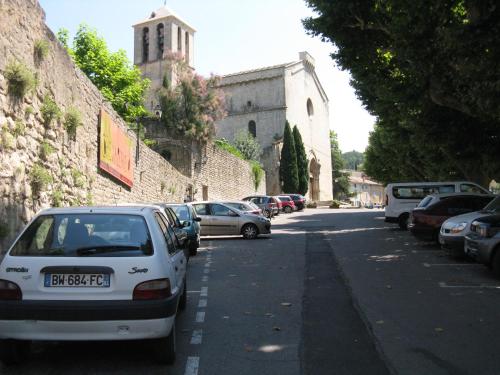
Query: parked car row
column 109, row 273
column 464, row 224
column 274, row 205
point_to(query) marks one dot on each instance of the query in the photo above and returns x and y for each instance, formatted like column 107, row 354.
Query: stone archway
column 314, row 168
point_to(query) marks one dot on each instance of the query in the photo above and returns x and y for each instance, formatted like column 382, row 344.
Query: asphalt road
column 329, row 292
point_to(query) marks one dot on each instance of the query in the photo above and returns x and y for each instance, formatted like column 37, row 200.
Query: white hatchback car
column 92, row 273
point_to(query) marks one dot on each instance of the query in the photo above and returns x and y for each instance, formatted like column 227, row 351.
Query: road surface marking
column 442, row 284
column 200, row 316
column 192, row 365
column 207, row 265
column 197, row 336
column 206, row 270
column 451, row 264
column 202, row 303
column 204, row 279
column 204, row 291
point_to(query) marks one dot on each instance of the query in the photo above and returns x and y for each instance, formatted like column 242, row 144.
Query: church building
column 258, row 101
column 261, row 100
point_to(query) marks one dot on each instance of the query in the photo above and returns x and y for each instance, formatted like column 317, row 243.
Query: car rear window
column 182, row 212
column 425, row 202
column 108, row 235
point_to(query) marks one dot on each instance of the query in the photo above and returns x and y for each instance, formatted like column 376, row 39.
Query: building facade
column 365, row 191
column 260, row 101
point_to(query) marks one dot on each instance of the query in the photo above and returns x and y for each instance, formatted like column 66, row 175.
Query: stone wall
column 67, row 165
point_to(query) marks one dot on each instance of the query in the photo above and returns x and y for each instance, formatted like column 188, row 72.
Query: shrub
column 20, row 78
column 335, row 204
column 78, row 178
column 247, row 145
column 57, row 198
column 41, row 49
column 28, row 111
column 45, row 150
column 223, row 144
column 257, row 174
column 89, row 200
column 7, row 139
column 20, row 128
column 50, row 110
column 40, row 178
column 312, row 205
column 72, row 120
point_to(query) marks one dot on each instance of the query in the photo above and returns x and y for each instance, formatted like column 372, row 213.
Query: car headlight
column 457, row 228
column 482, row 230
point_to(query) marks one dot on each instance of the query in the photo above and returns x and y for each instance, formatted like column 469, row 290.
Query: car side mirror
column 185, row 224
column 198, row 219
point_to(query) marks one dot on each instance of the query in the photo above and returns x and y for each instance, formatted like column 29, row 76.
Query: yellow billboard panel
column 115, row 150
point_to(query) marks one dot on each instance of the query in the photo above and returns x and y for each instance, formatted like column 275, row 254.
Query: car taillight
column 256, row 212
column 10, row 291
column 153, row 289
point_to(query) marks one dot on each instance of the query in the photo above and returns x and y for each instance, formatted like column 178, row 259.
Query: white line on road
column 204, row 279
column 192, row 365
column 451, row 264
column 442, row 284
column 207, row 265
column 200, row 316
column 206, row 270
column 204, row 291
column 197, row 336
column 202, row 303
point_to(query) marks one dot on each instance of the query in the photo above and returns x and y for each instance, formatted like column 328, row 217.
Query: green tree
column 119, row 81
column 353, row 160
column 192, row 104
column 340, row 179
column 288, row 163
column 248, row 145
column 302, row 162
column 428, row 71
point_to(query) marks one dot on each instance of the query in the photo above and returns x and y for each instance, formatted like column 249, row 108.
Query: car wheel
column 249, row 231
column 403, row 221
column 183, row 299
column 13, row 351
column 164, row 349
column 288, row 209
column 193, row 249
column 267, row 214
column 495, row 262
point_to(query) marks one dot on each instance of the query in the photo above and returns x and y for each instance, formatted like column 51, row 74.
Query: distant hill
column 353, row 160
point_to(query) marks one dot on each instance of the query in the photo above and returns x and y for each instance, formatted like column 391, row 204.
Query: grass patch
column 20, row 78
column 46, row 150
column 20, row 128
column 50, row 111
column 72, row 120
column 28, row 111
column 40, row 177
column 223, row 144
column 41, row 50
column 57, row 198
column 78, row 178
column 7, row 140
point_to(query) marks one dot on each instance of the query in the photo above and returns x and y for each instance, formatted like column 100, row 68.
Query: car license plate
column 79, row 280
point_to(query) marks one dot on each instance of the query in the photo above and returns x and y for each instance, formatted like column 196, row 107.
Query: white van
column 401, row 198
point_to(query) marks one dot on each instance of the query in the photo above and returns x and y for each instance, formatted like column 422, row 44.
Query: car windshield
column 112, row 235
column 253, row 205
column 182, row 212
column 493, row 206
column 425, row 202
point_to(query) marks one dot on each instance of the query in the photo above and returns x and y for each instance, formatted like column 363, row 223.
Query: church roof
column 259, row 69
column 163, row 12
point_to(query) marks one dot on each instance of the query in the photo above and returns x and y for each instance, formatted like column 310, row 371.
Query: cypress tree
column 302, row 163
column 288, row 163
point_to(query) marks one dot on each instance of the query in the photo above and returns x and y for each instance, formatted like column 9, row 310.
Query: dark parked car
column 425, row 220
column 266, row 203
column 483, row 243
column 177, row 226
column 190, row 223
column 299, row 200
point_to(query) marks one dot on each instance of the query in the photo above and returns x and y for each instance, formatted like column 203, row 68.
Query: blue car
column 191, row 223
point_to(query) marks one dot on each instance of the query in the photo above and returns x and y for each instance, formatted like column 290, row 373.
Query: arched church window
column 310, row 108
column 186, row 36
column 145, row 44
column 252, row 128
column 160, row 36
column 179, row 39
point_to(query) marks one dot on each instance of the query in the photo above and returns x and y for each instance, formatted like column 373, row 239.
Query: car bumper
column 390, row 219
column 479, row 248
column 423, row 233
column 84, row 330
column 453, row 244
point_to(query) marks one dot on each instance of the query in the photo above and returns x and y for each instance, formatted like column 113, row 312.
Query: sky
column 232, row 36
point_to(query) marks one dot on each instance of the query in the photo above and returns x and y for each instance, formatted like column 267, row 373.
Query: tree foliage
column 302, row 162
column 248, row 145
column 288, row 162
column 115, row 76
column 340, row 179
column 353, row 160
column 428, row 71
column 191, row 104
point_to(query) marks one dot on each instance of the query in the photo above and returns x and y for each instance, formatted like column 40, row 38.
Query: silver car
column 219, row 219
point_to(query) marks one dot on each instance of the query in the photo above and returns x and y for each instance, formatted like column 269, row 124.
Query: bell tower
column 155, row 38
